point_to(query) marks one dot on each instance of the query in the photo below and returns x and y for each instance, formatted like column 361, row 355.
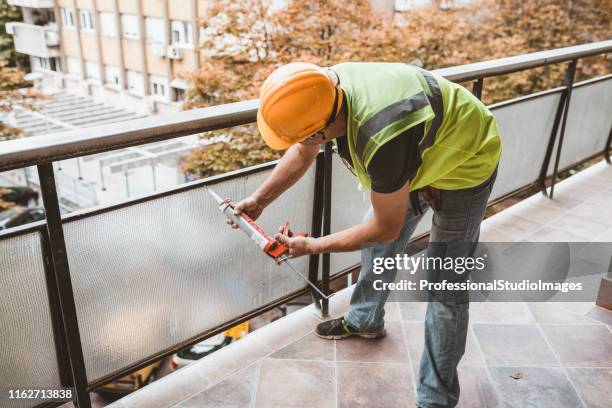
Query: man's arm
column 291, row 167
column 389, row 213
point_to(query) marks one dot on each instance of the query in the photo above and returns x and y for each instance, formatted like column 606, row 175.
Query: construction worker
column 416, row 140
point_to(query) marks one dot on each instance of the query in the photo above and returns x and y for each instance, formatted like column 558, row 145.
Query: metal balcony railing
column 91, row 296
column 32, row 3
column 37, row 40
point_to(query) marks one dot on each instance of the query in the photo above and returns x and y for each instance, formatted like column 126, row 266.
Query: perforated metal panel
column 27, row 354
column 349, row 205
column 525, row 130
column 588, row 122
column 154, row 274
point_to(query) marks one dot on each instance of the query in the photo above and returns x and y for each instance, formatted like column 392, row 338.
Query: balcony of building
column 518, row 354
column 37, row 4
column 91, row 296
column 37, row 40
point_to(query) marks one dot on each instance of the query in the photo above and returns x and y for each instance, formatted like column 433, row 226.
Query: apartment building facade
column 133, row 52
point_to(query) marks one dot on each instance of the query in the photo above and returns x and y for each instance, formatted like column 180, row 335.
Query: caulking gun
column 271, row 247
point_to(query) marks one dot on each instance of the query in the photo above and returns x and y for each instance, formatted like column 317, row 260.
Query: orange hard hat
column 296, row 100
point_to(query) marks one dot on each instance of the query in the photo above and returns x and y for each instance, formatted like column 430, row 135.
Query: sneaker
column 339, row 328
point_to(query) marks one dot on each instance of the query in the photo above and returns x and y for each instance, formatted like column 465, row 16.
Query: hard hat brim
column 273, row 141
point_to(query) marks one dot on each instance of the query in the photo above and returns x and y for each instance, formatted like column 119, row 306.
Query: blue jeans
column 454, row 233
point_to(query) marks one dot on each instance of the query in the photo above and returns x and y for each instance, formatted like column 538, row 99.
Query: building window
column 179, row 94
column 108, row 26
column 55, row 64
column 86, row 20
column 68, row 18
column 159, row 86
column 182, row 33
column 112, row 75
column 74, row 66
column 155, row 31
column 50, row 16
column 36, row 63
column 92, row 70
column 129, row 25
column 46, row 64
column 134, row 83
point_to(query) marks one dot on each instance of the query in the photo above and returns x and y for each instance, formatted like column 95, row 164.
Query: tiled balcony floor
column 561, row 352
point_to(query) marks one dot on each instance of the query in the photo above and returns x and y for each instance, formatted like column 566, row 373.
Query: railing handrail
column 70, row 144
column 32, row 26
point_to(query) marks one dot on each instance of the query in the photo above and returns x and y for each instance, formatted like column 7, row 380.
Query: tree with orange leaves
column 246, row 40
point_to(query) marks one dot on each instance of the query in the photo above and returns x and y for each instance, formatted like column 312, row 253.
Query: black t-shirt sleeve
column 397, row 161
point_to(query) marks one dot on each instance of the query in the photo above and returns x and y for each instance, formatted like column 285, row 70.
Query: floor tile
column 226, row 361
column 581, row 308
column 605, row 237
column 513, row 345
column 513, row 225
column 580, row 186
column 309, row 347
column 375, row 385
column 490, row 234
column 581, row 346
column 166, row 391
column 500, row 312
column 553, row 313
column 415, row 333
column 563, row 200
column 593, row 385
column 604, row 199
column 476, row 388
column 553, row 234
column 415, row 337
column 595, row 213
column 237, row 391
column 197, row 376
column 537, row 213
column 412, row 311
column 538, row 388
column 390, row 348
column 290, row 383
column 392, row 313
column 601, row 315
column 579, row 226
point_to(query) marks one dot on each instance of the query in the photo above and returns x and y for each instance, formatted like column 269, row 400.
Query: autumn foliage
column 246, row 40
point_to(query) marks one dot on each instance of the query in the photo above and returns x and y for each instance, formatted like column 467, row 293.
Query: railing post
column 59, row 334
column 326, row 223
column 607, row 148
column 477, row 88
column 59, row 259
column 560, row 116
column 315, row 230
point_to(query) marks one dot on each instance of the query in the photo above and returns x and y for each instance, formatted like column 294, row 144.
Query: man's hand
column 298, row 245
column 250, row 206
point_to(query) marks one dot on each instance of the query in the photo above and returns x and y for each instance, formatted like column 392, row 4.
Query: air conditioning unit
column 150, row 105
column 175, row 52
column 52, row 38
column 85, row 89
column 158, row 49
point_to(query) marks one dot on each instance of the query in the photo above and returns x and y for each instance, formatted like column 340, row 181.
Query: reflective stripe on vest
column 401, row 108
column 437, row 104
column 390, row 114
